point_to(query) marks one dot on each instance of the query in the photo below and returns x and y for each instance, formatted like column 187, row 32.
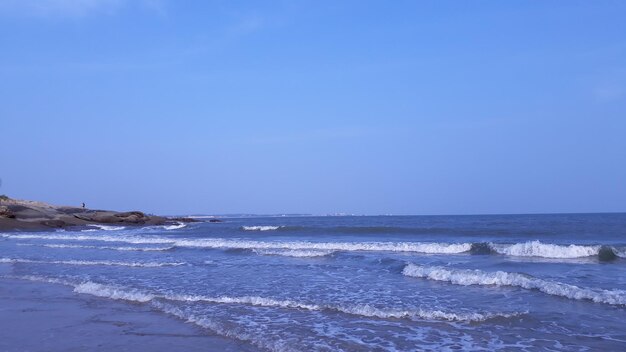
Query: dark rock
column 5, row 212
column 181, row 219
column 130, row 213
column 71, row 210
column 54, row 223
column 30, row 215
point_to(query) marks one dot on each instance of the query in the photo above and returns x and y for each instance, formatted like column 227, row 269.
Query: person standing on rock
column 83, row 205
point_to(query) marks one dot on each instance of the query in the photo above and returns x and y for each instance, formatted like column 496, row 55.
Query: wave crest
column 298, row 253
column 107, row 227
column 526, row 249
column 176, row 226
column 418, row 247
column 468, row 277
column 545, row 250
column 112, row 292
column 260, row 228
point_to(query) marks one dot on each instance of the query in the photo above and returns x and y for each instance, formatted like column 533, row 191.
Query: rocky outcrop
column 108, row 217
column 181, row 219
column 29, row 215
column 5, row 212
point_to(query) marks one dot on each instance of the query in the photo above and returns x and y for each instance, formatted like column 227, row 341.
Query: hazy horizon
column 405, row 108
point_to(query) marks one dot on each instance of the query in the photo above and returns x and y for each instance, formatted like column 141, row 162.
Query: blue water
column 515, row 282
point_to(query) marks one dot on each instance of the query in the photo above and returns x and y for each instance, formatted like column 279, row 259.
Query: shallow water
column 532, row 282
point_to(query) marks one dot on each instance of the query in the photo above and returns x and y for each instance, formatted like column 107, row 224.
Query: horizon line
column 234, row 215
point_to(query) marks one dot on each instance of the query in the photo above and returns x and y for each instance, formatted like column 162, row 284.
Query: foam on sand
column 112, row 292
column 365, row 310
column 217, row 328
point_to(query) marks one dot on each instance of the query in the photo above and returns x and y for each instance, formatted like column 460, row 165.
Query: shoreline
column 48, row 317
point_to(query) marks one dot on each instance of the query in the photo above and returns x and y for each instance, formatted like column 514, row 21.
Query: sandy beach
column 47, row 317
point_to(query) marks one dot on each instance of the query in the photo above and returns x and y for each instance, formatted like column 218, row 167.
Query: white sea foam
column 50, row 280
column 361, row 310
column 467, row 277
column 329, row 246
column 132, row 295
column 527, row 249
column 90, row 262
column 102, row 238
column 116, row 263
column 179, row 225
column 298, row 253
column 112, row 292
column 260, row 228
column 248, row 300
column 419, row 314
column 128, row 294
column 620, row 252
column 94, row 289
column 13, row 261
column 108, row 227
column 546, row 250
column 419, row 247
column 140, row 249
column 258, row 340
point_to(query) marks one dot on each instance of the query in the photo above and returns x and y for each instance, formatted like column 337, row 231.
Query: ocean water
column 386, row 283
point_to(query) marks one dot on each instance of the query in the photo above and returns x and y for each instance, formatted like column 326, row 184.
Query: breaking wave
column 419, row 247
column 298, row 253
column 89, row 262
column 177, row 226
column 107, row 291
column 365, row 310
column 545, row 250
column 140, row 249
column 329, row 246
column 107, row 227
column 359, row 309
column 468, row 277
column 526, row 249
column 261, row 228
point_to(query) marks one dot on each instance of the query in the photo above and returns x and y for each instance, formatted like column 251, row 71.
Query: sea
column 356, row 283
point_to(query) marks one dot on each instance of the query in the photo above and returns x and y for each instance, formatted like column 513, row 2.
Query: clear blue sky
column 375, row 107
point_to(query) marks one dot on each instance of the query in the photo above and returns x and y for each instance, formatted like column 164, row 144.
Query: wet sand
column 47, row 317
